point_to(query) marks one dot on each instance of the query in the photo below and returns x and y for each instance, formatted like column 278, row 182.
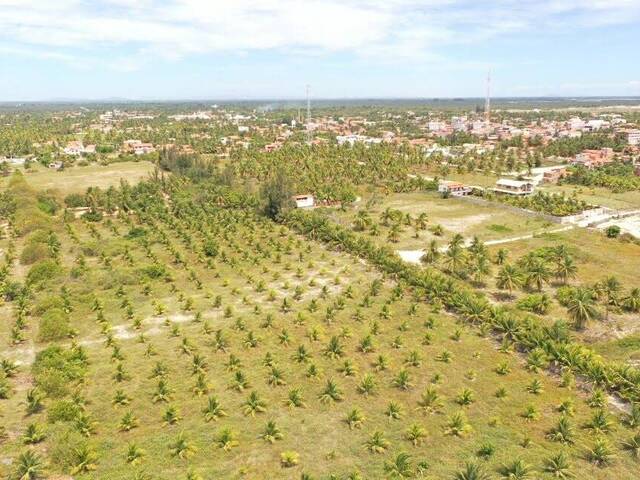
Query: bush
column 42, row 272
column 92, row 216
column 63, row 411
column 613, row 231
column 65, row 443
column 75, row 200
column 48, row 204
column 55, row 369
column 54, row 325
column 34, row 252
column 136, row 232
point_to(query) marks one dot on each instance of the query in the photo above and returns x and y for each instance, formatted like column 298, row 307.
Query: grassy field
column 600, row 196
column 487, row 222
column 78, row 179
column 330, row 348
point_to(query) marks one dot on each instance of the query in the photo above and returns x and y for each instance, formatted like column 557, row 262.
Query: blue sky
column 247, row 49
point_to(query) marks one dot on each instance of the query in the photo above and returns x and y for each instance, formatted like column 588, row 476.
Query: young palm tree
column 633, row 446
column 331, row 393
column 367, row 385
column 182, row 448
column 537, row 273
column 354, row 419
column 415, row 434
column 393, row 411
column 562, row 432
column 84, row 460
column 399, row 467
column 33, row 434
column 601, row 454
column 29, row 466
column 632, row 301
column 134, row 454
column 430, row 401
column 226, row 440
column 516, row 470
column 294, row 399
column 457, row 425
column 271, row 432
column 254, row 404
column 377, row 443
column 171, row 416
column 558, row 466
column 128, row 422
column 472, row 471
column 402, row 380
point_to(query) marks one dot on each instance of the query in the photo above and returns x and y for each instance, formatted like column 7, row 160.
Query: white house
column 634, row 137
column 514, row 187
column 304, row 201
column 455, row 189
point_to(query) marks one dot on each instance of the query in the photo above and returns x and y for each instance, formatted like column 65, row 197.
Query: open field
column 455, row 216
column 212, row 342
column 599, row 196
column 78, row 179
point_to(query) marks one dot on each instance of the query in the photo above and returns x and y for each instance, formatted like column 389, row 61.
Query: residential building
column 594, row 158
column 633, row 137
column 514, row 187
column 455, row 189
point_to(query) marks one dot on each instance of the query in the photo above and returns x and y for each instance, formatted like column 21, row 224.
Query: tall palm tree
column 609, row 290
column 509, row 278
column 581, row 307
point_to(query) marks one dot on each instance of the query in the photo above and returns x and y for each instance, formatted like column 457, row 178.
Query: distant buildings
column 138, row 147
column 76, row 148
column 594, row 158
column 633, row 137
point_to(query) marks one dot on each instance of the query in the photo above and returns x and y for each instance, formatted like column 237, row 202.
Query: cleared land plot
column 78, row 179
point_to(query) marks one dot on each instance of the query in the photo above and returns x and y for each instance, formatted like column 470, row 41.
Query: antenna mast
column 308, row 114
column 487, row 102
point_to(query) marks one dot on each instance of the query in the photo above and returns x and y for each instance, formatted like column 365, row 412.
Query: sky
column 258, row 49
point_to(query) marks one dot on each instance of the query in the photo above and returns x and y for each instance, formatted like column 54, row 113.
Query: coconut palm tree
column 472, row 471
column 377, row 443
column 254, row 404
column 516, row 470
column 226, row 439
column 354, row 419
column 213, row 411
column 271, row 432
column 331, row 393
column 415, row 434
column 609, row 290
column 28, row 466
column 509, row 278
column 581, row 308
column 399, row 467
column 558, row 466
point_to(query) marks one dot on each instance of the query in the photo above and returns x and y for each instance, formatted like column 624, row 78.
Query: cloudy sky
column 197, row 49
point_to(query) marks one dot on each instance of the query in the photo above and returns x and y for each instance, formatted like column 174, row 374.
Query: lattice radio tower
column 487, row 101
column 308, row 88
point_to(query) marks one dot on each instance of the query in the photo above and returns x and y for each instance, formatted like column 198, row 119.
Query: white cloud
column 406, row 29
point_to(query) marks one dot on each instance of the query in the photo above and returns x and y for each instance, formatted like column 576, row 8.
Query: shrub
column 613, row 231
column 75, row 200
column 42, row 272
column 54, row 325
column 63, row 411
column 92, row 216
column 34, row 252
